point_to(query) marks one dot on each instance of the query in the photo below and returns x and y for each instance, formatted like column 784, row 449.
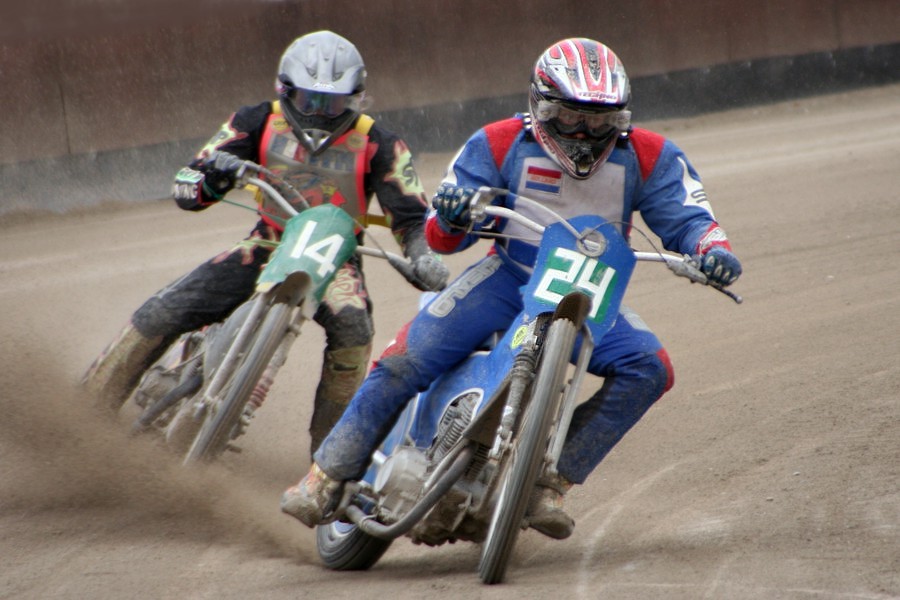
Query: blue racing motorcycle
column 464, row 456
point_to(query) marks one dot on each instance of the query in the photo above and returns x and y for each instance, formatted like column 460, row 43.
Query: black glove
column 452, row 204
column 431, row 272
column 186, row 189
column 221, row 171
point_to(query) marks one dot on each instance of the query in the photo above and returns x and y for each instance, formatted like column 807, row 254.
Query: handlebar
column 683, row 266
column 279, row 190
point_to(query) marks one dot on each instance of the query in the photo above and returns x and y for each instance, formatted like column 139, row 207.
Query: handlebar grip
column 689, row 269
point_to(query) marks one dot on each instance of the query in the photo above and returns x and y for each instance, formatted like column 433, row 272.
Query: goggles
column 309, row 103
column 569, row 121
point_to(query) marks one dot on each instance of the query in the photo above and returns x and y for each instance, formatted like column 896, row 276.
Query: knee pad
column 666, row 372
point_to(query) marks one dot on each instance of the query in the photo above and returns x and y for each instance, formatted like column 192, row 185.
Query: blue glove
column 720, row 266
column 452, row 205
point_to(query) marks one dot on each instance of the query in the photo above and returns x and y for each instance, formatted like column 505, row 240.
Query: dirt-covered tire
column 343, row 547
column 215, row 432
column 527, row 458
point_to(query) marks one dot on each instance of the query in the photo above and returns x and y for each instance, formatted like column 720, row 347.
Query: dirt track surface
column 771, row 470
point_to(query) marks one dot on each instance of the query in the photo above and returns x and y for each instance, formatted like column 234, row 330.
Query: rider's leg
column 483, row 299
column 637, row 372
column 346, row 316
column 205, row 295
column 114, row 374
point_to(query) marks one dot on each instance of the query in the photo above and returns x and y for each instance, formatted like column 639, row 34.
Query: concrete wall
column 151, row 77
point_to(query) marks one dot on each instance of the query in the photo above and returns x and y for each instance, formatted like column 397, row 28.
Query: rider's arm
column 672, row 200
column 478, row 163
column 240, row 136
column 393, row 179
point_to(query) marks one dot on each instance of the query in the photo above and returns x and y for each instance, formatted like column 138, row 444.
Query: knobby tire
column 344, row 547
column 527, row 459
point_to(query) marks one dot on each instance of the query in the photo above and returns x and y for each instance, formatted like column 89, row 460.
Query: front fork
column 522, row 375
column 259, row 393
column 292, row 290
column 566, row 408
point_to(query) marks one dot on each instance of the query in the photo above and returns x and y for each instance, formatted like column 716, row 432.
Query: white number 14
column 322, row 252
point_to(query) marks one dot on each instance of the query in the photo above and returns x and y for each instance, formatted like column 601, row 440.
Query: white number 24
column 580, row 274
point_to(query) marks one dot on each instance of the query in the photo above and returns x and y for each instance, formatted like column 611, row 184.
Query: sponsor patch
column 543, row 180
column 280, row 125
column 356, row 142
column 520, row 336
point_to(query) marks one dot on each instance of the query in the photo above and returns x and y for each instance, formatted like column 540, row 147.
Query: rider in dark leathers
column 317, row 138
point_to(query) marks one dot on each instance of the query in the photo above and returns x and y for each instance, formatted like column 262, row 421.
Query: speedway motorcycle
column 203, row 391
column 464, row 456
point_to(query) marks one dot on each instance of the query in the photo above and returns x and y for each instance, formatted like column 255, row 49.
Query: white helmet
column 578, row 98
column 321, row 85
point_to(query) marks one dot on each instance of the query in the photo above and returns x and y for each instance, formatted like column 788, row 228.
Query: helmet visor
column 309, row 103
column 571, row 121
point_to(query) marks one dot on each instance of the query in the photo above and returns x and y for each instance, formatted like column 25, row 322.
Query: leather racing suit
column 366, row 161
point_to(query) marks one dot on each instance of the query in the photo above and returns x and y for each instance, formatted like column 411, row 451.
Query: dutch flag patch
column 543, row 180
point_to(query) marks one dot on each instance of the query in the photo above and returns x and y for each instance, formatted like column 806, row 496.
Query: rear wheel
column 527, row 459
column 344, row 547
column 215, row 433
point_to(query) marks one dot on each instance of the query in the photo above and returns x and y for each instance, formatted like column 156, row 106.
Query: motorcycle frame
column 495, row 417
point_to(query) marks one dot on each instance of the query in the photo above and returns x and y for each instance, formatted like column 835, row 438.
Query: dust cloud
column 59, row 453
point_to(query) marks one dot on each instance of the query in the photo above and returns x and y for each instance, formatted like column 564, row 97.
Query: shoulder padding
column 647, row 146
column 364, row 124
column 500, row 136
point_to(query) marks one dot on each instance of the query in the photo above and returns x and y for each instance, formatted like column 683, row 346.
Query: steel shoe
column 314, row 499
column 545, row 512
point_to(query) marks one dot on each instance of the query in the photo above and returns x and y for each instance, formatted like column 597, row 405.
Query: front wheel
column 530, row 446
column 344, row 547
column 215, row 433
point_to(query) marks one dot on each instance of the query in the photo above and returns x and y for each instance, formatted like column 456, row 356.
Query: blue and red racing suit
column 645, row 173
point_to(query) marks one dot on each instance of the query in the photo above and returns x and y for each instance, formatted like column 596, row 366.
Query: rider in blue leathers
column 577, row 153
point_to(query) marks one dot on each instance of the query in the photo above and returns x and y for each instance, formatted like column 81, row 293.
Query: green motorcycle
column 203, row 391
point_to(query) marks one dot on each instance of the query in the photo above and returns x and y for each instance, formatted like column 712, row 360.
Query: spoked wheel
column 527, row 459
column 215, row 433
column 344, row 547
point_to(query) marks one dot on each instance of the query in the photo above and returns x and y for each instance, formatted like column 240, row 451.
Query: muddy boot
column 545, row 509
column 313, row 500
column 342, row 373
column 116, row 372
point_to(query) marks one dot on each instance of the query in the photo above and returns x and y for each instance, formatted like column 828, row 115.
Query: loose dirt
column 771, row 470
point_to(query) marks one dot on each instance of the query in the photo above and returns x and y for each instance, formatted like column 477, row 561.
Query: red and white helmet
column 578, row 99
